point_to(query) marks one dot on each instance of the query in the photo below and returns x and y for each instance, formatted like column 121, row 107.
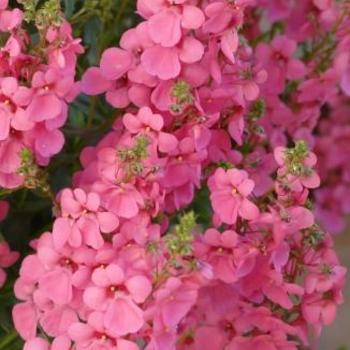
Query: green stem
column 5, row 193
column 9, row 338
column 92, row 111
column 120, row 13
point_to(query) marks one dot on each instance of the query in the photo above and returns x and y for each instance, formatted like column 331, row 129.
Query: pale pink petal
column 9, row 86
column 10, row 19
column 278, row 295
column 126, row 345
column 311, row 181
column 108, row 222
column 57, row 320
column 36, row 344
column 245, row 266
column 81, row 332
column 329, row 313
column 345, row 83
column 229, row 239
column 246, row 187
column 20, row 121
column 49, row 143
column 92, row 201
column 115, row 63
column 94, row 83
column 95, row 297
column 124, row 205
column 115, row 274
column 164, row 28
column 192, row 50
column 226, row 208
column 236, row 128
column 90, row 230
column 132, row 123
column 118, row 98
column 162, row 62
column 167, row 142
column 5, row 121
column 123, row 317
column 177, row 307
column 251, row 91
column 248, row 210
column 192, row 17
column 311, row 313
column 229, row 44
column 139, row 287
column 44, row 107
column 56, row 286
column 25, row 320
column 101, row 278
column 61, row 232
column 301, row 217
column 61, row 343
column 279, row 154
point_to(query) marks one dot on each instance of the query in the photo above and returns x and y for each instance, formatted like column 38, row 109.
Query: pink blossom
column 278, row 60
column 309, row 180
column 215, row 93
column 148, row 123
column 82, row 221
column 229, row 192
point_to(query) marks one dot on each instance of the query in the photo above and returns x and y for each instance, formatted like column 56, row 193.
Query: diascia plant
column 196, row 221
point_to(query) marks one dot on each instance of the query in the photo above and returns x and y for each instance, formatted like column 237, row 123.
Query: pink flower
column 229, row 192
column 319, row 311
column 37, row 344
column 204, row 87
column 59, row 343
column 165, row 62
column 25, row 319
column 34, row 93
column 83, row 221
column 123, row 316
column 174, row 301
column 227, row 256
column 111, row 282
column 124, row 201
column 279, row 62
column 148, row 123
column 93, row 334
column 9, row 19
column 56, row 285
column 15, row 98
column 170, row 21
column 115, row 63
column 309, row 178
column 221, row 15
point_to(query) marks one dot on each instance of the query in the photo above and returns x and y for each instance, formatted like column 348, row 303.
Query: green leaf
column 11, row 341
column 69, row 6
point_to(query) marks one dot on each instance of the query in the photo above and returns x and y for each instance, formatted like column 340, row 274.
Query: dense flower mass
column 332, row 198
column 221, row 103
column 36, row 86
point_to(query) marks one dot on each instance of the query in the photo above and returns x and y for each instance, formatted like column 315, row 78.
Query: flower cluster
column 213, row 102
column 333, row 138
column 36, row 85
column 7, row 257
column 117, row 273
